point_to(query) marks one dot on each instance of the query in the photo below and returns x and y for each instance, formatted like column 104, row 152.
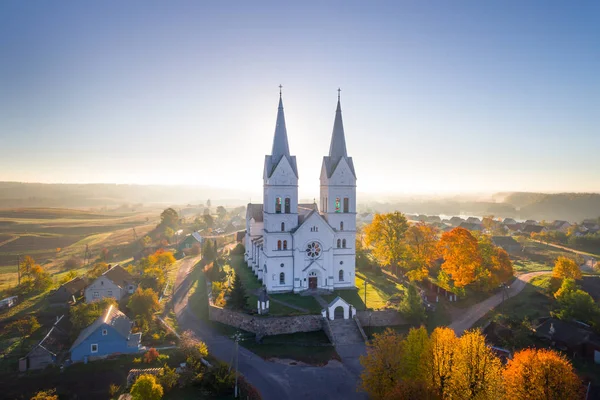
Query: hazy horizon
column 438, row 98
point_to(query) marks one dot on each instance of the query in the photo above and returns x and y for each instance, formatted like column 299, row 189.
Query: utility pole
column 237, row 338
column 365, row 292
column 19, row 269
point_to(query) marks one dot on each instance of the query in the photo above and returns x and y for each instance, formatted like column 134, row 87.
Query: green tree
column 382, row 365
column 83, row 314
column 209, row 253
column 169, row 232
column 574, row 303
column 237, row 294
column 168, row 378
column 411, row 306
column 221, row 212
column 143, row 303
column 146, row 388
column 146, row 241
column 169, row 218
column 208, row 220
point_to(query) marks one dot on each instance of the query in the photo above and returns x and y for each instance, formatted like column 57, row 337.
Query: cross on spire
column 339, row 91
column 280, row 87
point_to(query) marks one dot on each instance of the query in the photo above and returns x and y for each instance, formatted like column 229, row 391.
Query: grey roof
column 504, row 241
column 533, row 228
column 113, row 317
column 280, row 147
column 254, row 211
column 280, row 140
column 75, row 285
column 337, row 147
column 304, row 210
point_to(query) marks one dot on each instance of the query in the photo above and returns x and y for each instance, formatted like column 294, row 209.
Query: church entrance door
column 312, row 282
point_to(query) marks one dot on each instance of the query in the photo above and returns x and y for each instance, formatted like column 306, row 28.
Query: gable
column 283, row 174
column 343, row 174
column 323, row 231
column 102, row 282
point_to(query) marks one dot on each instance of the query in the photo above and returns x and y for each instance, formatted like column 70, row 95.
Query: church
column 294, row 247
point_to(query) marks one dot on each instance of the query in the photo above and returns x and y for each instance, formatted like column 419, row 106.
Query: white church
column 293, row 247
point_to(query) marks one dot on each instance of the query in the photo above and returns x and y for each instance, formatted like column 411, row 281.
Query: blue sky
column 437, row 97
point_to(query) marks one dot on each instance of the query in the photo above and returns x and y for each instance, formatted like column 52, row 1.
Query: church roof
column 337, row 147
column 304, row 210
column 281, row 146
column 255, row 211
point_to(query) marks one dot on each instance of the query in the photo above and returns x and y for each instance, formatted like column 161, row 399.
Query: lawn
column 307, row 302
column 379, row 290
column 525, row 266
column 532, row 303
column 311, row 348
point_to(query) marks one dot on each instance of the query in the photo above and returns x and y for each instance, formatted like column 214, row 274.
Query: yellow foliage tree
column 386, row 236
column 382, row 364
column 541, row 375
column 566, row 268
column 476, row 372
column 440, row 360
column 461, row 256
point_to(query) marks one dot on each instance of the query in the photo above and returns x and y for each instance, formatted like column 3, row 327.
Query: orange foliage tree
column 461, row 256
column 496, row 266
column 541, row 374
column 382, row 364
column 422, row 250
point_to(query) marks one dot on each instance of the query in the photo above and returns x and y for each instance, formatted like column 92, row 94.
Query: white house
column 293, row 247
column 116, row 282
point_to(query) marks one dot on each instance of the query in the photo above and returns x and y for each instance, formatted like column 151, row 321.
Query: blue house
column 110, row 334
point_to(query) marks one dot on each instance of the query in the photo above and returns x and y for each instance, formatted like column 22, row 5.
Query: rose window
column 313, row 250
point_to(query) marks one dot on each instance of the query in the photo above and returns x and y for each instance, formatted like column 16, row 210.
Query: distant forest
column 572, row 207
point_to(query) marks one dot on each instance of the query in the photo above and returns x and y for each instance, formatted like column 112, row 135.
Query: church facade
column 293, row 247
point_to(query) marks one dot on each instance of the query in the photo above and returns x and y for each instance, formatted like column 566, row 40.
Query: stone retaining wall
column 380, row 318
column 266, row 326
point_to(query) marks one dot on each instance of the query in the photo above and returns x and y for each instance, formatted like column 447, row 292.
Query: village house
column 470, row 226
column 68, row 292
column 559, row 225
column 473, row 220
column 508, row 243
column 509, row 221
column 575, row 338
column 456, row 221
column 50, row 349
column 190, row 240
column 109, row 334
column 116, row 283
column 529, row 229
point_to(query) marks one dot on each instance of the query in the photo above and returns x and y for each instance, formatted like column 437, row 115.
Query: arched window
column 283, row 227
column 346, row 204
column 285, row 244
column 339, row 243
column 287, row 205
column 338, row 205
column 282, row 278
column 278, row 205
column 341, row 225
column 279, row 245
column 341, row 275
column 344, row 243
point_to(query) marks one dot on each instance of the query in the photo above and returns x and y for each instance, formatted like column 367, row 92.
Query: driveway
column 274, row 380
column 477, row 311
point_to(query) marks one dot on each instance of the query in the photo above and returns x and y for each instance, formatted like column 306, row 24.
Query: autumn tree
column 566, row 268
column 25, row 266
column 542, row 374
column 98, row 270
column 440, row 359
column 23, row 327
column 49, row 394
column 461, row 256
column 422, row 250
column 143, row 303
column 476, row 372
column 221, row 212
column 496, row 266
column 414, row 351
column 33, row 276
column 162, row 258
column 168, row 378
column 386, row 236
column 382, row 364
column 146, row 387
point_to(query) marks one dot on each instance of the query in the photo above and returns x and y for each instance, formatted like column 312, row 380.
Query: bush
column 45, row 395
column 219, row 379
column 217, row 288
column 151, row 355
column 73, row 263
column 146, row 388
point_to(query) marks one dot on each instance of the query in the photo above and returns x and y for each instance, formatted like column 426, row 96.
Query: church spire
column 337, row 149
column 280, row 140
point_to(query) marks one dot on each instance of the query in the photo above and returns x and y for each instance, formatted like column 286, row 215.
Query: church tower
column 280, row 209
column 338, row 197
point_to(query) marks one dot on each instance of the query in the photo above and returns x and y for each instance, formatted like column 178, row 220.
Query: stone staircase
column 345, row 331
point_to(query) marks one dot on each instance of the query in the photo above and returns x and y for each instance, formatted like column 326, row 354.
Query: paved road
column 477, row 311
column 274, row 380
